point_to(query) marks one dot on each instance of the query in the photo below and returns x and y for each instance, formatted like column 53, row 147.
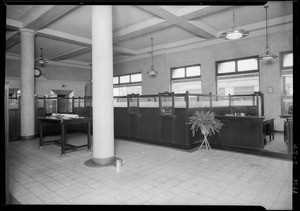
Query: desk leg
column 273, row 129
column 63, row 140
column 89, row 136
column 41, row 136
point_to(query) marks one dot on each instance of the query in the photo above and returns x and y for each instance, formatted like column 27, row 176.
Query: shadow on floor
column 13, row 200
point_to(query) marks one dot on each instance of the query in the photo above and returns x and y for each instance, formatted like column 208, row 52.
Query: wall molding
column 46, row 80
column 82, row 65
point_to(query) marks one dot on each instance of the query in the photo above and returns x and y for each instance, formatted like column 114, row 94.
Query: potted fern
column 207, row 123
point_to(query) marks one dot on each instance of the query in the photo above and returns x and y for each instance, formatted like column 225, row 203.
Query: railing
column 83, row 105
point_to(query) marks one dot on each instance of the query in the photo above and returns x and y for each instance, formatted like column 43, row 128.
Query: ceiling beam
column 39, row 16
column 13, row 24
column 73, row 39
column 123, row 50
column 209, row 10
column 130, row 33
column 36, row 18
column 12, row 40
column 179, row 21
column 200, row 24
column 64, row 37
column 156, row 24
column 71, row 54
column 10, row 34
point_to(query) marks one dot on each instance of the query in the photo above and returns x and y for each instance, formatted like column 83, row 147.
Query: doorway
column 64, row 100
column 277, row 147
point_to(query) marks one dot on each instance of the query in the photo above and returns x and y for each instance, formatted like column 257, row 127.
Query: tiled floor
column 150, row 175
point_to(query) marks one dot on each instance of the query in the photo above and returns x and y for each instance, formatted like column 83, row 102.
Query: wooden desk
column 63, row 141
column 268, row 128
column 288, row 131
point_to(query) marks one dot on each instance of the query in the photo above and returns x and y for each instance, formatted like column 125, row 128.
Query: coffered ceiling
column 64, row 31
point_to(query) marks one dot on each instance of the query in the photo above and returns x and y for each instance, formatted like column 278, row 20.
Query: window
column 186, row 79
column 286, row 66
column 238, row 76
column 127, row 84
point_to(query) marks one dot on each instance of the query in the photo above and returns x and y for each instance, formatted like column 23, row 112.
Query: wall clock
column 37, row 72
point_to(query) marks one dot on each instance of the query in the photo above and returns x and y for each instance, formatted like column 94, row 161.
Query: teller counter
column 241, row 133
column 161, row 119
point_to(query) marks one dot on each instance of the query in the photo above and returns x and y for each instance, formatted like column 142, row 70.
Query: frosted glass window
column 178, row 73
column 288, row 60
column 193, row 71
column 125, row 90
column 247, row 65
column 288, row 85
column 226, row 67
column 246, row 84
column 115, row 80
column 287, row 82
column 136, row 77
column 124, row 79
column 191, row 85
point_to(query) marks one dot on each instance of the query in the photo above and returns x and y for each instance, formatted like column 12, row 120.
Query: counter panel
column 181, row 130
column 244, row 132
column 148, row 124
column 166, row 129
column 120, row 121
column 14, row 124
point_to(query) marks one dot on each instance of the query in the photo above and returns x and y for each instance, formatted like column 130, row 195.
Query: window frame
column 118, row 85
column 236, row 72
column 285, row 71
column 282, row 68
column 185, row 77
column 129, row 83
column 236, row 66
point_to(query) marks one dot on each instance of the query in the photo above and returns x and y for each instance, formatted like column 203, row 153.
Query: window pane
column 191, row 85
column 287, row 102
column 136, row 77
column 226, row 67
column 247, row 64
column 125, row 90
column 124, row 79
column 193, row 71
column 288, row 60
column 115, row 80
column 178, row 73
column 288, row 82
column 245, row 84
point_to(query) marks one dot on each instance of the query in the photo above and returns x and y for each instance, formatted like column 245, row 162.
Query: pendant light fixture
column 41, row 60
column 267, row 55
column 152, row 72
column 233, row 33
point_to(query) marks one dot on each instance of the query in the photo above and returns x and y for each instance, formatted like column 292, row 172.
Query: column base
column 27, row 137
column 101, row 162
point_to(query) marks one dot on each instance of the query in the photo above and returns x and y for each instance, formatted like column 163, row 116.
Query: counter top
column 287, row 116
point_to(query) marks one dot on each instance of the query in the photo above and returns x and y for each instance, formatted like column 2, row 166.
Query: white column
column 102, row 50
column 27, row 84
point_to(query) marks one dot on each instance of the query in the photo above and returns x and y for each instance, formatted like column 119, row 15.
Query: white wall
column 43, row 86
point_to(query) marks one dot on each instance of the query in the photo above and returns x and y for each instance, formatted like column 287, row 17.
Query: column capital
column 27, row 30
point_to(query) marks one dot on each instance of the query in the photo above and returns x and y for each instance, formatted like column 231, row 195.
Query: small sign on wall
column 270, row 90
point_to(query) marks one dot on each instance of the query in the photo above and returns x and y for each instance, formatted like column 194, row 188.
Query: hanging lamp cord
column 267, row 41
column 151, row 51
column 42, row 53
